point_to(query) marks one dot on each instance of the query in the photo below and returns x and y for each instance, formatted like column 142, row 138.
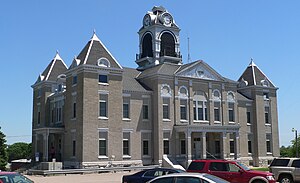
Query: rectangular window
column 166, row 108
column 126, row 107
column 182, row 146
column 183, row 109
column 145, row 147
column 166, row 142
column 231, row 112
column 166, row 146
column 102, row 105
column 103, row 78
column 145, row 111
column 126, row 143
column 74, row 148
column 74, row 80
column 231, row 146
column 248, row 117
column 200, row 110
column 217, row 111
column 38, row 114
column 102, row 143
column 267, row 121
column 74, row 109
column 249, row 146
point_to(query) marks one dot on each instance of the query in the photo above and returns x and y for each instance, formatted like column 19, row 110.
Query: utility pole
column 296, row 140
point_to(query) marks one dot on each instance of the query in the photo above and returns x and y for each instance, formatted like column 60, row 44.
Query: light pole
column 296, row 137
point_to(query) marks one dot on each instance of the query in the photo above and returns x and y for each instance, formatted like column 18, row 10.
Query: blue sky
column 225, row 34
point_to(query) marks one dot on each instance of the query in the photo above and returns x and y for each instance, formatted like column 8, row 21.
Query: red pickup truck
column 231, row 171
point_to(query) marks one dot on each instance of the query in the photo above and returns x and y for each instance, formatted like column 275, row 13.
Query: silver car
column 188, row 178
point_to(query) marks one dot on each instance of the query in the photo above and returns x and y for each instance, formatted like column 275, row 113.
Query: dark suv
column 286, row 170
column 231, row 171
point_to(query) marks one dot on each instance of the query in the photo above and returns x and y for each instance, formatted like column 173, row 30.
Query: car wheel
column 286, row 179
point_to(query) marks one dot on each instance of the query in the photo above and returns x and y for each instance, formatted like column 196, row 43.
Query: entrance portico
column 210, row 141
column 46, row 138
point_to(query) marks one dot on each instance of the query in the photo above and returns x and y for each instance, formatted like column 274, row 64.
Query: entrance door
column 197, row 148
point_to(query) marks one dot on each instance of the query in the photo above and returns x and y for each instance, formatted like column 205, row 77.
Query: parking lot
column 78, row 178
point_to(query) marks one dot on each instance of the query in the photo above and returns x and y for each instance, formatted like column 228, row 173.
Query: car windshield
column 244, row 166
column 14, row 178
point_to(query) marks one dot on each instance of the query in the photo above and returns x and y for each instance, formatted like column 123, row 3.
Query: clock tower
column 158, row 39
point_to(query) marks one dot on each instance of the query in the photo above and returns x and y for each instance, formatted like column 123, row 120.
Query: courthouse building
column 97, row 112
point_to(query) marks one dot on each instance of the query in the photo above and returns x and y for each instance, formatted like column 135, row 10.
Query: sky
column 225, row 34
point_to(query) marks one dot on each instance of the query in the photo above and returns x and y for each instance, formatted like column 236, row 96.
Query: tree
column 3, row 153
column 19, row 150
column 286, row 151
column 293, row 148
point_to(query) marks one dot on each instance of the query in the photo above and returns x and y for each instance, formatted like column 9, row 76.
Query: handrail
column 88, row 170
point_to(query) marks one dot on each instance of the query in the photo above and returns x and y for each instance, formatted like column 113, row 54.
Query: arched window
column 167, row 47
column 183, row 96
column 200, row 106
column 103, row 62
column 216, row 96
column 231, row 108
column 147, row 50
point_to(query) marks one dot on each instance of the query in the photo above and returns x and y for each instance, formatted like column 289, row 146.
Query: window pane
column 165, row 112
column 248, row 117
column 249, row 147
column 145, row 147
column 102, row 147
column 125, row 110
column 102, row 78
column 125, row 147
column 231, row 146
column 182, row 147
column 103, row 108
column 183, row 112
column 74, row 148
column 217, row 114
column 145, row 112
column 166, row 146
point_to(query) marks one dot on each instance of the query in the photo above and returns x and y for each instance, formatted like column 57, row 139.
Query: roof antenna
column 189, row 56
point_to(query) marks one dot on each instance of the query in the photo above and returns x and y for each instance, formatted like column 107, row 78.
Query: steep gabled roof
column 253, row 76
column 93, row 51
column 56, row 67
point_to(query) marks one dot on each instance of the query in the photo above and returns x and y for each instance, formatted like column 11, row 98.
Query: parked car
column 13, row 177
column 188, row 178
column 146, row 175
column 231, row 171
column 286, row 170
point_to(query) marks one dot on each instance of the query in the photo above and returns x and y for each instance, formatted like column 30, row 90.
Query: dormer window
column 103, row 62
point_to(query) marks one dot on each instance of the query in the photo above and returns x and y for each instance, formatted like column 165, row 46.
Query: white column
column 189, row 146
column 46, row 141
column 236, row 146
column 224, row 145
column 203, row 142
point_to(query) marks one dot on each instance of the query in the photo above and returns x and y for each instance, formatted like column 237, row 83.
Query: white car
column 188, row 178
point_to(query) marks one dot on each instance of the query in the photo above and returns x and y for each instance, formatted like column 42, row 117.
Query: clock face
column 167, row 18
column 147, row 20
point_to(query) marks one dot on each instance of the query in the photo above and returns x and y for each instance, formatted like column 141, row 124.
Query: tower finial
column 252, row 62
column 94, row 31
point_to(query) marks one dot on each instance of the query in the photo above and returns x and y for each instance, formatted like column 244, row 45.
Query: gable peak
column 57, row 56
column 94, row 37
column 252, row 64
